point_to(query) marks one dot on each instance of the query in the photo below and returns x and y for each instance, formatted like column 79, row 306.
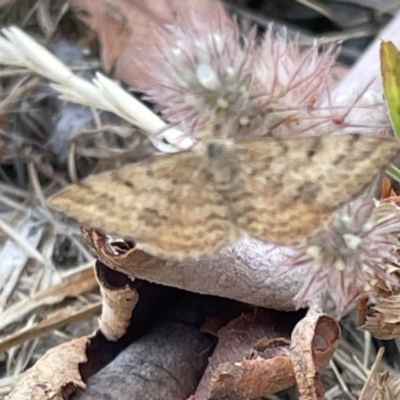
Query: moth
column 193, row 203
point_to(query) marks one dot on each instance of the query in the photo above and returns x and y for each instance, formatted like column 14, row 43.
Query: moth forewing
column 195, row 202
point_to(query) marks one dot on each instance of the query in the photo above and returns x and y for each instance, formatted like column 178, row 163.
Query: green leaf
column 390, row 68
column 393, row 172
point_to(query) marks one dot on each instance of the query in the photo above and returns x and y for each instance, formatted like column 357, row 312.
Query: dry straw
column 20, row 50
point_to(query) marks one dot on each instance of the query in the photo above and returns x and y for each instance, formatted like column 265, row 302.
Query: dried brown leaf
column 126, row 29
column 55, row 376
column 235, row 273
column 314, row 341
column 166, row 362
column 118, row 304
column 381, row 390
column 386, row 188
column 63, row 369
column 253, row 359
column 381, row 318
column 250, row 359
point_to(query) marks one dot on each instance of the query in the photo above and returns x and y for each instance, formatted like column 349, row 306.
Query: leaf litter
column 39, row 296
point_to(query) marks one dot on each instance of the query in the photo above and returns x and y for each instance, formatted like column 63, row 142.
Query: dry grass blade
column 22, row 51
column 14, row 258
column 29, row 281
column 372, row 373
column 54, row 321
column 79, row 284
column 13, row 234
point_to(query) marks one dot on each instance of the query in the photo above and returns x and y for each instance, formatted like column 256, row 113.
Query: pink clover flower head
column 245, row 85
column 358, row 250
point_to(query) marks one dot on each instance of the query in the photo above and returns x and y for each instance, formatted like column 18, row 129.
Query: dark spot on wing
column 214, row 216
column 247, row 211
column 275, row 185
column 307, row 192
column 172, row 200
column 284, row 146
column 214, row 150
column 234, row 198
column 343, row 159
column 339, row 159
column 117, row 177
column 129, row 184
column 314, row 148
column 152, row 217
column 105, row 196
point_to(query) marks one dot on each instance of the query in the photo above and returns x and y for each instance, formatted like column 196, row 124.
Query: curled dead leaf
column 51, row 379
column 253, row 359
column 314, row 341
column 235, row 273
column 65, row 368
column 380, row 317
column 387, row 190
column 118, row 304
column 167, row 361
